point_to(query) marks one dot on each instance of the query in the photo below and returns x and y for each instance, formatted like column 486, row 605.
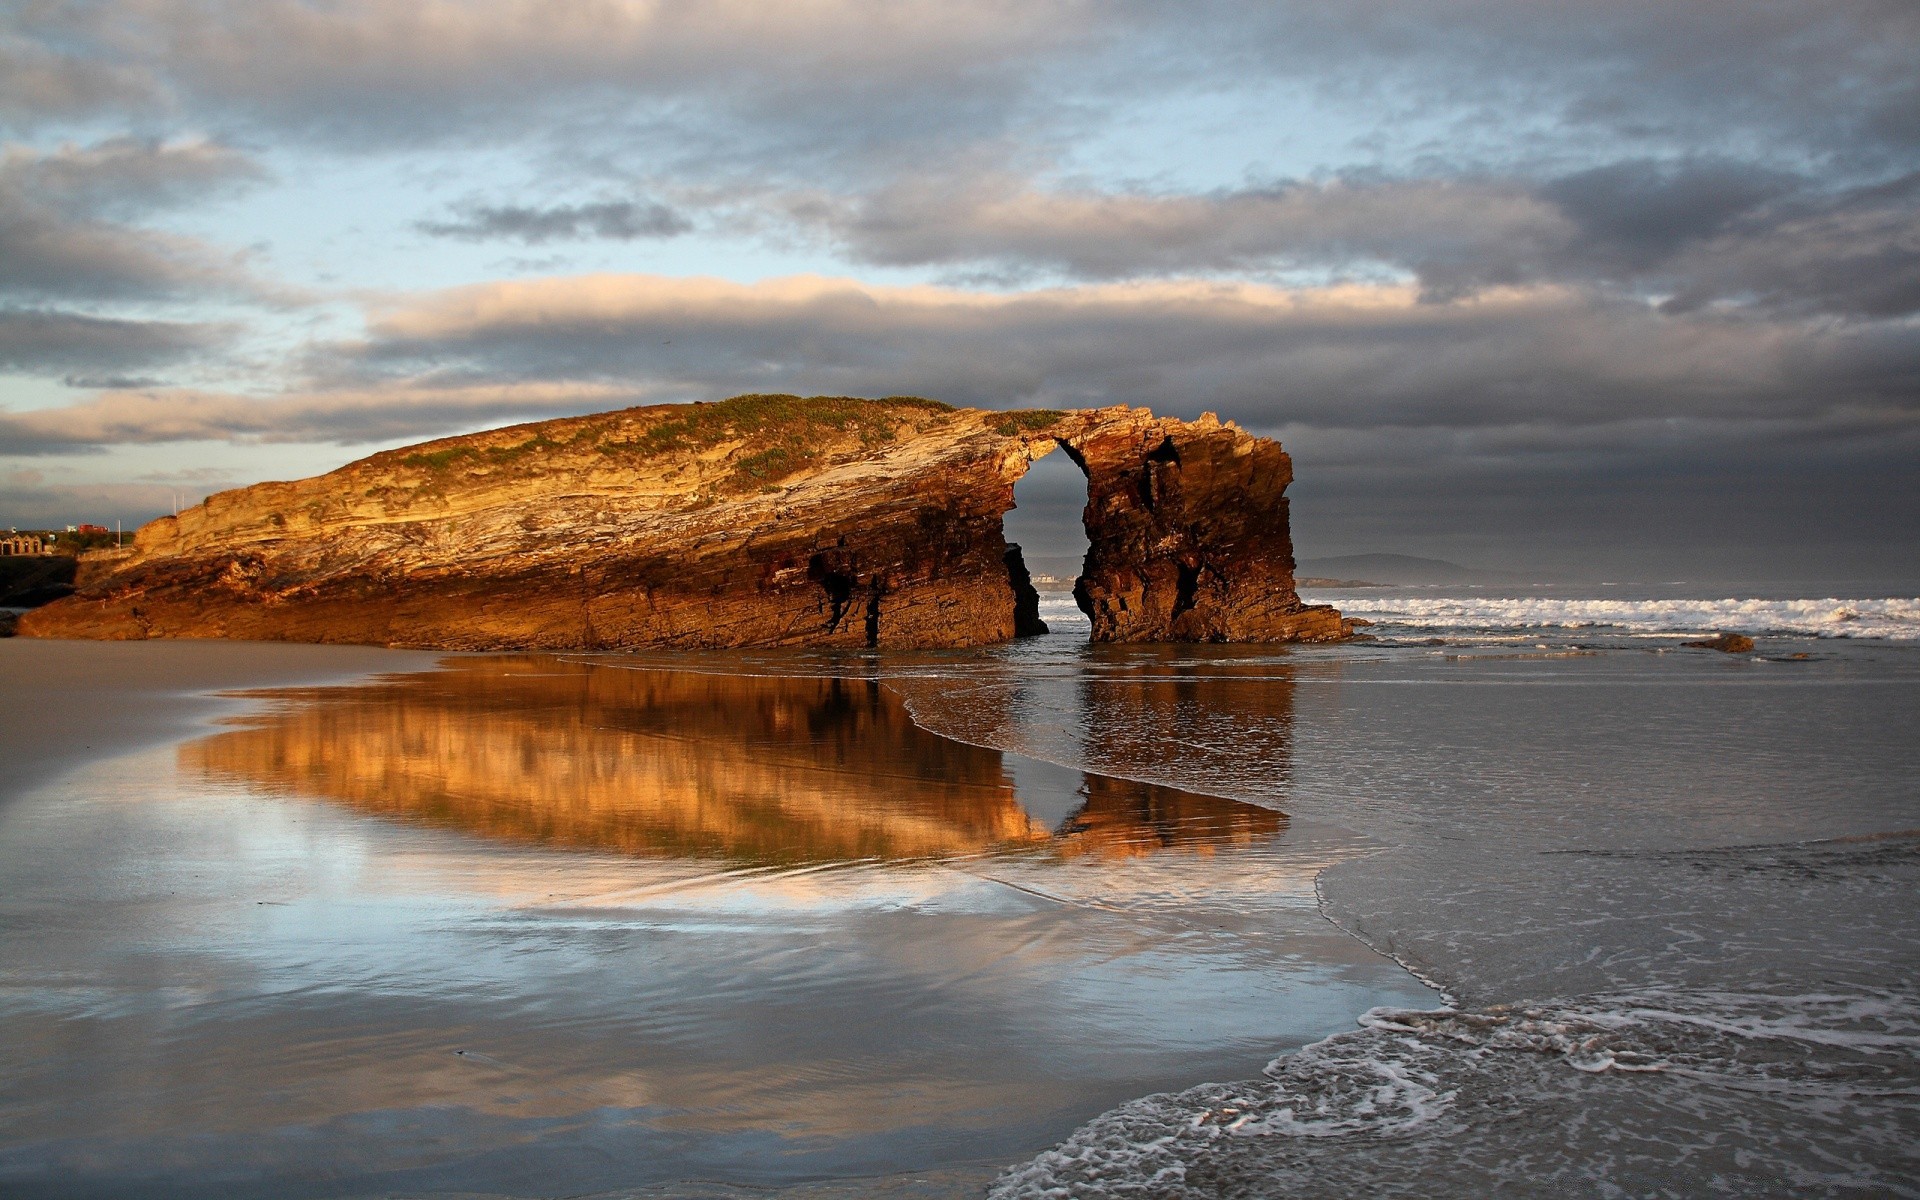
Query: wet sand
column 541, row 925
column 68, row 703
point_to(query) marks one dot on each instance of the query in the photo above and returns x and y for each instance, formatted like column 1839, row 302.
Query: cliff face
column 763, row 520
column 1188, row 529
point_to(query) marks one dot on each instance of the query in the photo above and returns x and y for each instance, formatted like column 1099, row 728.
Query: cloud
column 1825, row 80
column 1340, row 356
column 1003, row 219
column 58, row 340
column 1537, row 362
column 1697, row 231
column 1830, row 78
column 346, row 416
column 40, row 80
column 30, row 503
column 65, row 213
column 615, row 220
column 359, row 72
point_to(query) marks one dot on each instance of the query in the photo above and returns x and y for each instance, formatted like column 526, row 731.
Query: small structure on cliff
column 758, row 521
column 20, row 544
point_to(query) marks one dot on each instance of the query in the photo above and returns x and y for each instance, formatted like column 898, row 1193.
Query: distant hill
column 1405, row 569
column 1346, row 570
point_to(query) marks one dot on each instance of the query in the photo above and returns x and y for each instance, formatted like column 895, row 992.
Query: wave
column 1465, row 1102
column 1893, row 619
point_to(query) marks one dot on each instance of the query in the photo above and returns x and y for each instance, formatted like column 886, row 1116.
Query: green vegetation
column 67, row 541
column 440, row 460
column 792, row 433
column 1027, row 420
column 798, row 428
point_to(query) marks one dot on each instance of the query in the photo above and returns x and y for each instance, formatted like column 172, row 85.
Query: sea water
column 1670, row 892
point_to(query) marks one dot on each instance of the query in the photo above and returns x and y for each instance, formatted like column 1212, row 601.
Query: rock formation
column 758, row 521
column 1187, row 525
column 1726, row 643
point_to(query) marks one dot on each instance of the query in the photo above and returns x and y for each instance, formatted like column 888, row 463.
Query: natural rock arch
column 762, row 520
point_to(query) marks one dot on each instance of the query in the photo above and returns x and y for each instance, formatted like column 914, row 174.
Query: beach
column 1547, row 907
column 540, row 925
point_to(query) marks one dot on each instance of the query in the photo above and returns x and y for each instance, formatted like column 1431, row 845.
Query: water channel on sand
column 540, row 925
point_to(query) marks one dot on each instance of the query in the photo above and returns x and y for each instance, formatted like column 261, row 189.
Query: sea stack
column 757, row 521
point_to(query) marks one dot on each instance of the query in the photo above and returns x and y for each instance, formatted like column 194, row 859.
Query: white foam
column 1061, row 614
column 1890, row 618
column 1347, row 1114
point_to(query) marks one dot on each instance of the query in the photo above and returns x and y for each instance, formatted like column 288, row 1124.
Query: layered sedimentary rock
column 759, row 521
column 1188, row 532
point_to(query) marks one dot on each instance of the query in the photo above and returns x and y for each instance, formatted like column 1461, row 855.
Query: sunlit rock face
column 746, row 768
column 759, row 521
column 1188, row 534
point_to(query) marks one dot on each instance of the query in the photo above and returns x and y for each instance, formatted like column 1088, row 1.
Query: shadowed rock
column 759, row 521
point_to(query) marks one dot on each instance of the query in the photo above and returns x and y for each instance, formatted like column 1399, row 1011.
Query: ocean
column 1522, row 896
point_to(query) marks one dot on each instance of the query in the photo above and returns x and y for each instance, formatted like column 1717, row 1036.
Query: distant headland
column 758, row 521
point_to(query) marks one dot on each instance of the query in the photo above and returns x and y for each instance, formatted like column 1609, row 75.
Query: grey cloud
column 1695, row 231
column 1706, row 502
column 1643, row 210
column 1342, row 357
column 58, row 340
column 347, row 416
column 1533, row 363
column 1831, row 77
column 39, row 81
column 113, row 382
column 614, row 220
column 29, row 503
column 1823, row 79
column 396, row 71
column 65, row 213
column 1104, row 235
column 126, row 177
column 1855, row 253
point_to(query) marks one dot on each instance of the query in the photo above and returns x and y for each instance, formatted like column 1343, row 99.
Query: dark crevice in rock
column 874, row 592
column 1184, row 588
column 838, row 587
column 1153, row 478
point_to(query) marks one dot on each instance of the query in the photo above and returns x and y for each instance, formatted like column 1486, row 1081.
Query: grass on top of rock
column 1027, row 420
column 784, row 434
column 440, row 460
column 792, row 432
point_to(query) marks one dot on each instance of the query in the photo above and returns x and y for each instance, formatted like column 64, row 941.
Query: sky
column 1618, row 289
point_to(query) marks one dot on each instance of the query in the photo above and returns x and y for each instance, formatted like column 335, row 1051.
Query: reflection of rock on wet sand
column 1123, row 819
column 536, row 748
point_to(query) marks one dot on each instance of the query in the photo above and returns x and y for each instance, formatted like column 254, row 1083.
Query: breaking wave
column 1896, row 619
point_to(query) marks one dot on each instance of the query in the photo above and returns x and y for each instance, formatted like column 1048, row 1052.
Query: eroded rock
column 759, row 521
column 1188, row 529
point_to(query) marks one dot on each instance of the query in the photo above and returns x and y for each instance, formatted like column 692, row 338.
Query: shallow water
column 1671, row 892
column 544, row 925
